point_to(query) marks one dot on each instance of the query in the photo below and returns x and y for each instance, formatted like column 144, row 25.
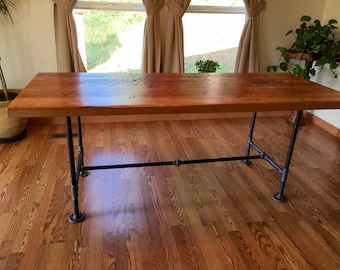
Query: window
column 110, row 33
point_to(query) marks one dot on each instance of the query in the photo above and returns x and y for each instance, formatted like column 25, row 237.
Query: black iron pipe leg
column 279, row 196
column 80, row 164
column 250, row 139
column 76, row 216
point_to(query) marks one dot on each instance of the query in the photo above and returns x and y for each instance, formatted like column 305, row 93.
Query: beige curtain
column 68, row 56
column 247, row 54
column 163, row 46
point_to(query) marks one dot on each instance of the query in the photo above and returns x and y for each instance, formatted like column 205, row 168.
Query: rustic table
column 94, row 94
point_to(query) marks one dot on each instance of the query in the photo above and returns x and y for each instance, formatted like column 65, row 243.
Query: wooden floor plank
column 197, row 216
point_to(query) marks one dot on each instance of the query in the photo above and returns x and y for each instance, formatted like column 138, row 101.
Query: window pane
column 226, row 3
column 212, row 36
column 119, row 1
column 113, row 40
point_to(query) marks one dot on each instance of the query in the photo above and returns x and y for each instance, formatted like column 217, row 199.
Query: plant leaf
column 283, row 66
column 323, row 60
column 297, row 70
column 281, row 49
column 289, row 32
column 273, row 68
column 305, row 18
column 333, row 65
column 333, row 21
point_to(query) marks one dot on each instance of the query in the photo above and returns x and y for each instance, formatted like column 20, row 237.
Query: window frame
column 111, row 5
column 85, row 6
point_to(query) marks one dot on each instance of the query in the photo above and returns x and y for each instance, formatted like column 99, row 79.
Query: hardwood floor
column 200, row 216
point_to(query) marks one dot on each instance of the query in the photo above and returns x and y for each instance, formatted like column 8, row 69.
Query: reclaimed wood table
column 94, row 94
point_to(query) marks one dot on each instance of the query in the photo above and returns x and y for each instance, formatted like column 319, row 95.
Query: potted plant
column 206, row 66
column 314, row 44
column 11, row 129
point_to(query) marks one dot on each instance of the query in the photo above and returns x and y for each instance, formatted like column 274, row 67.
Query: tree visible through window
column 114, row 38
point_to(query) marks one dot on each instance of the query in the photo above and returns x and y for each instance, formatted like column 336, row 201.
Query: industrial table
column 94, row 94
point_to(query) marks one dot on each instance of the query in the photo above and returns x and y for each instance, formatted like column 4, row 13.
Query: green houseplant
column 206, row 65
column 10, row 129
column 314, row 44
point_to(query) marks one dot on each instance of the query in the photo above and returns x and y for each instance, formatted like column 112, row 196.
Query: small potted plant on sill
column 314, row 46
column 206, row 66
column 11, row 129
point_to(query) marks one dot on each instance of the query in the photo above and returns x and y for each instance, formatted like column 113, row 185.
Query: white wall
column 332, row 11
column 27, row 47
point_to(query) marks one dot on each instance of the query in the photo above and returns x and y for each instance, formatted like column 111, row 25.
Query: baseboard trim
column 334, row 131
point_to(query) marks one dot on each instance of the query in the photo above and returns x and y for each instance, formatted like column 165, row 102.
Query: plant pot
column 301, row 56
column 11, row 129
column 292, row 119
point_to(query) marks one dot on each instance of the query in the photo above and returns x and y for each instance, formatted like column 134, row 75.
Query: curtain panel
column 163, row 45
column 247, row 58
column 68, row 56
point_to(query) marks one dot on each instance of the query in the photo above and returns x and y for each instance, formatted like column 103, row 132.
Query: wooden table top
column 80, row 94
